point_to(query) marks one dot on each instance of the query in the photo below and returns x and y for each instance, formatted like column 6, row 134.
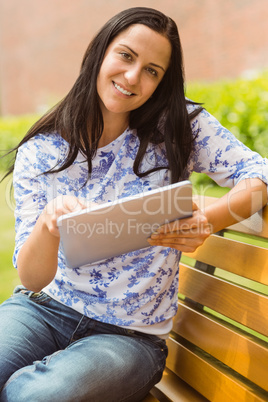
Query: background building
column 42, row 42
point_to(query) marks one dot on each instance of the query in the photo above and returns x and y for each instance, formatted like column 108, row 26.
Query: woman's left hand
column 184, row 234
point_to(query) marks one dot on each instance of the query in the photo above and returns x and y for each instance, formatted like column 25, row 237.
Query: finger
column 194, row 224
column 52, row 226
column 194, row 206
column 183, row 245
column 178, row 223
column 172, row 227
column 193, row 232
column 178, row 239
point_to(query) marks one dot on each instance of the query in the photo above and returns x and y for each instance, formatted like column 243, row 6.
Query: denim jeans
column 49, row 352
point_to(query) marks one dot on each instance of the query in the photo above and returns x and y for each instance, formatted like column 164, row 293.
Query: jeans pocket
column 37, row 297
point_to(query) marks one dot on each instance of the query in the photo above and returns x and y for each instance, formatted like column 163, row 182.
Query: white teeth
column 122, row 90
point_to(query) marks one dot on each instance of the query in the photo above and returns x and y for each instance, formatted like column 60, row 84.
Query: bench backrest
column 219, row 344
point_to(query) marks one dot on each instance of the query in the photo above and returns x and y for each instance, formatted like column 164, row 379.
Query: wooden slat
column 174, row 389
column 214, row 381
column 242, row 305
column 244, row 354
column 150, row 398
column 256, row 225
column 242, row 259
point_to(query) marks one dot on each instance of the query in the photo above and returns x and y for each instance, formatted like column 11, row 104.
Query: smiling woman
column 124, row 128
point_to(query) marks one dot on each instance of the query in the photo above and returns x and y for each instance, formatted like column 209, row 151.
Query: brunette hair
column 162, row 119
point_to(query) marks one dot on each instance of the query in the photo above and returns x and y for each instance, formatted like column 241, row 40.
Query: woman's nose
column 133, row 74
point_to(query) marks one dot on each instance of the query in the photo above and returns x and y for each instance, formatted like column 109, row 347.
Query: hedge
column 13, row 129
column 240, row 105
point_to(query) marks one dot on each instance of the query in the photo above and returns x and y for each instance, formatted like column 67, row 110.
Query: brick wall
column 224, row 38
column 42, row 42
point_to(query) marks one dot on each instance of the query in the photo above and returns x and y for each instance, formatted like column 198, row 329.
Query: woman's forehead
column 143, row 40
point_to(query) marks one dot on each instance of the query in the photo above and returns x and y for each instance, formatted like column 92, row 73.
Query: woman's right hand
column 57, row 207
column 38, row 257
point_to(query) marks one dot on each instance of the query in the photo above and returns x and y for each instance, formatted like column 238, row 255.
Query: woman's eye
column 152, row 71
column 126, row 55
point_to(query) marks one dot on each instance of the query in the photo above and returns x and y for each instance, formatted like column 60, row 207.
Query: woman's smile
column 122, row 90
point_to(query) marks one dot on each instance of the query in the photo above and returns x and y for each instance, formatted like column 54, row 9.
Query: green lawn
column 8, row 274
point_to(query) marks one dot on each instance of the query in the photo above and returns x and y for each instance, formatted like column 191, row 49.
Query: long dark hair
column 162, row 119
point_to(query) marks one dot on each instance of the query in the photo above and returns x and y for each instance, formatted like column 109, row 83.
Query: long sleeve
column 220, row 155
column 32, row 188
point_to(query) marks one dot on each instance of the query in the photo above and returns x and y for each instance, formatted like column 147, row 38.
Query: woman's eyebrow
column 136, row 54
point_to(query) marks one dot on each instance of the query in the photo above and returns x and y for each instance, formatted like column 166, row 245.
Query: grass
column 8, row 275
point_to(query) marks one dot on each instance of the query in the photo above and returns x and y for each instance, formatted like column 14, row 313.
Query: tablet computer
column 115, row 228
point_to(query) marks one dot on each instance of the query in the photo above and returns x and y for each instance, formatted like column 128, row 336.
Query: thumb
column 194, row 206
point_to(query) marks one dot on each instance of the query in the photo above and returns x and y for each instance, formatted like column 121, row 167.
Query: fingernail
column 154, row 235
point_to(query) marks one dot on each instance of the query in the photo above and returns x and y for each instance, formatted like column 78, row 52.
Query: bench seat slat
column 213, row 381
column 225, row 298
column 172, row 388
column 150, row 398
column 241, row 352
column 242, row 259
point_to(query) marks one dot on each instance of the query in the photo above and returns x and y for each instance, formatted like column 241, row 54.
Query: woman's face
column 133, row 66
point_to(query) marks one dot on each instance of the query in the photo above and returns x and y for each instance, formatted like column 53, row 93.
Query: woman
column 98, row 332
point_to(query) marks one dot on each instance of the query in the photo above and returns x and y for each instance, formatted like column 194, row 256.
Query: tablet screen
column 116, row 228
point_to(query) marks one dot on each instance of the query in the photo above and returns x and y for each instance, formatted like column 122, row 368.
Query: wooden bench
column 218, row 349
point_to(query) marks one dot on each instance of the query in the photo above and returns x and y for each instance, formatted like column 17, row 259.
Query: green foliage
column 240, row 105
column 12, row 130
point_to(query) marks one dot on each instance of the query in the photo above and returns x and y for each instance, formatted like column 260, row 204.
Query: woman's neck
column 113, row 128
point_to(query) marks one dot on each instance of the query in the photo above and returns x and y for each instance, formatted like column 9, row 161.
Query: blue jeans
column 49, row 352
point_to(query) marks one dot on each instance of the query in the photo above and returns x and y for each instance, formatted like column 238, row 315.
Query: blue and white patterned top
column 138, row 289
